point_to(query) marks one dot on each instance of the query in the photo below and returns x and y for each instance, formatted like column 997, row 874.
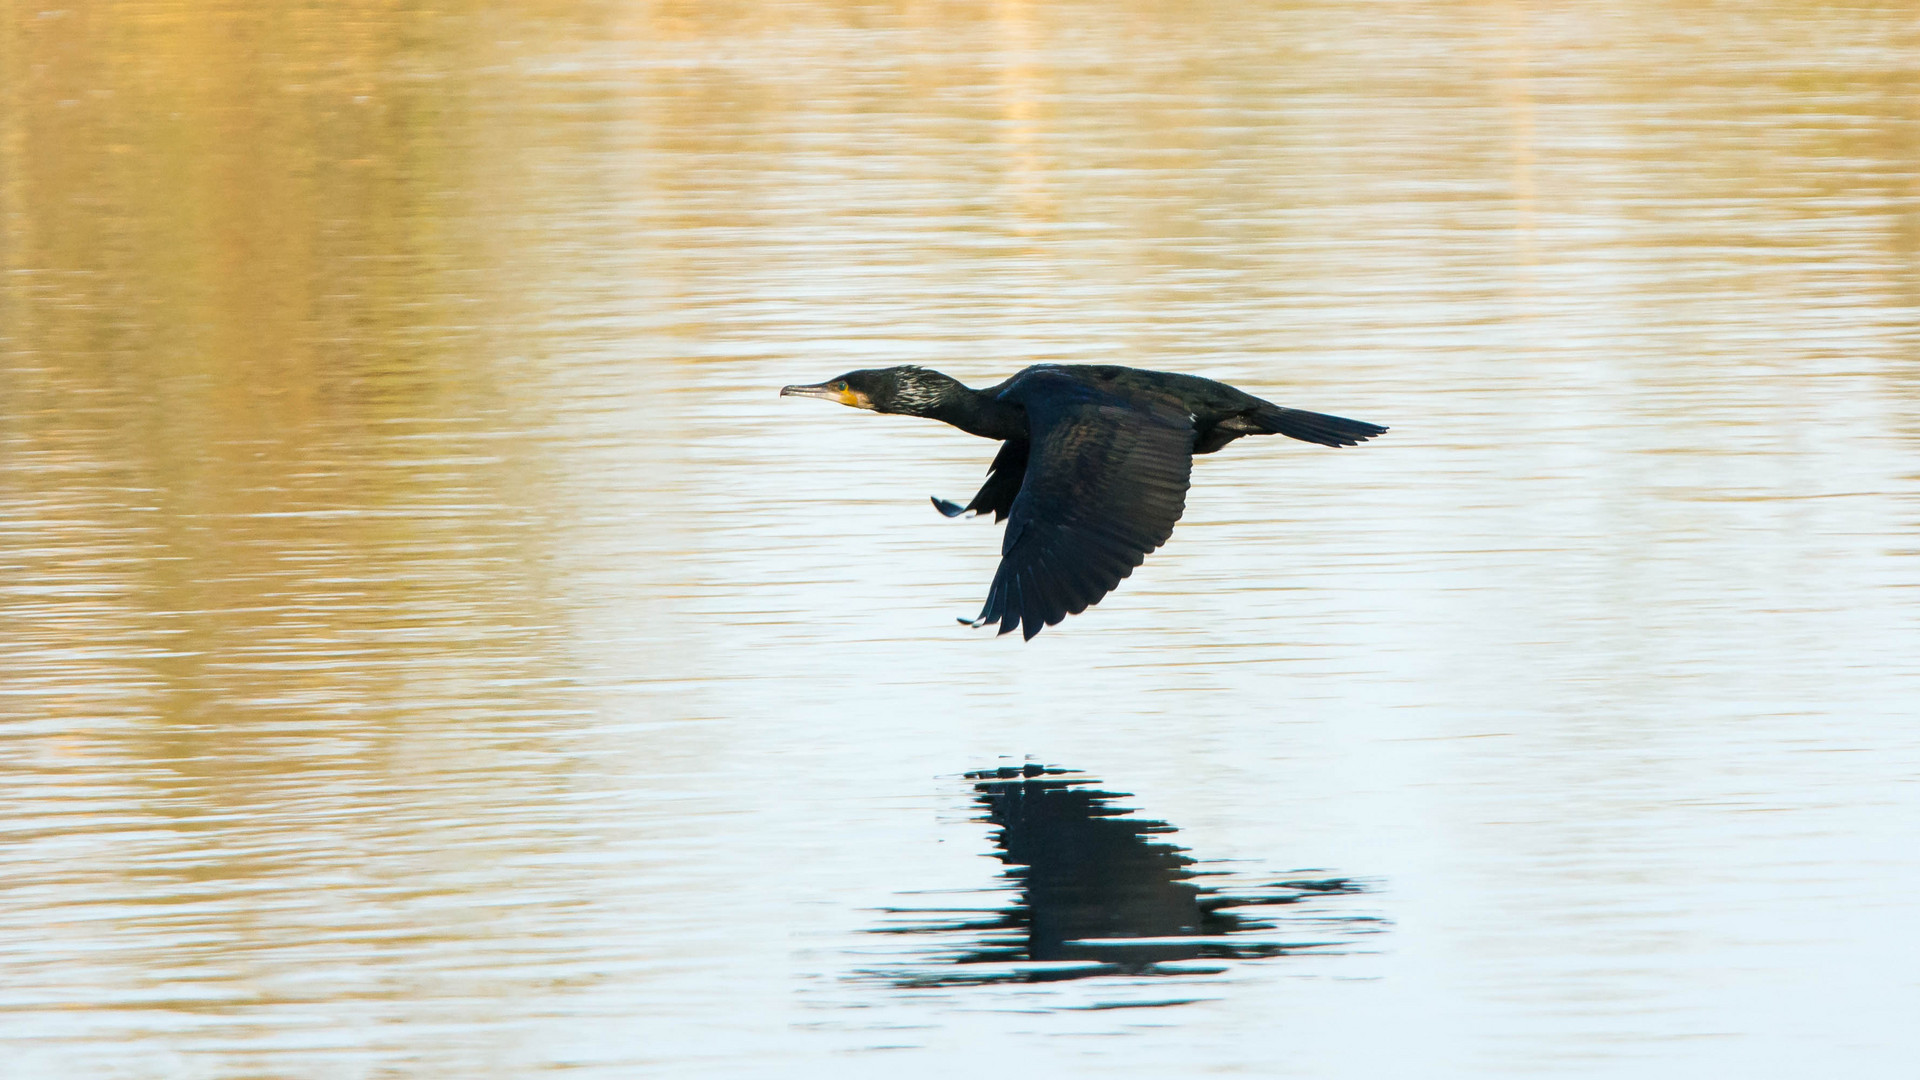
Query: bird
column 1093, row 467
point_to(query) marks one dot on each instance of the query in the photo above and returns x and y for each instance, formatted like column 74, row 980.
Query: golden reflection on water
column 414, row 598
column 253, row 409
column 271, row 566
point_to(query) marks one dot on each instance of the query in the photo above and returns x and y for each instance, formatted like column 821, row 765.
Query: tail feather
column 1314, row 427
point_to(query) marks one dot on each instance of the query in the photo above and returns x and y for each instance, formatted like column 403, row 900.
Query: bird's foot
column 949, row 509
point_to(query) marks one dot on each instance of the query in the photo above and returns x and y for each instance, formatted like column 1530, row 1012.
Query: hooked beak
column 825, row 390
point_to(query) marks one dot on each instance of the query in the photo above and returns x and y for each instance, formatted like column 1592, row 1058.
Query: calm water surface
column 431, row 649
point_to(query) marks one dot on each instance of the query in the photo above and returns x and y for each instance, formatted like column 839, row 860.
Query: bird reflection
column 1101, row 892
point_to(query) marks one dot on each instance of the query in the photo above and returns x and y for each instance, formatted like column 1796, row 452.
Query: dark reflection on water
column 1101, row 892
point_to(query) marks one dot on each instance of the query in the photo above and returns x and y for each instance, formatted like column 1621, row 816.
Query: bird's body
column 1093, row 467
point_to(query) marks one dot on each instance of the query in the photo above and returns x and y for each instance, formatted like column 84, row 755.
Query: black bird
column 1093, row 465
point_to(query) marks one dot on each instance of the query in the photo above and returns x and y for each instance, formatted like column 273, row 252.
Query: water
column 433, row 650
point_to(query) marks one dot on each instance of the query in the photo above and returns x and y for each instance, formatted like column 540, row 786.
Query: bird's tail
column 1313, row 427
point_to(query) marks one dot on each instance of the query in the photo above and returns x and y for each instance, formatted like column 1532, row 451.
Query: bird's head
column 907, row 389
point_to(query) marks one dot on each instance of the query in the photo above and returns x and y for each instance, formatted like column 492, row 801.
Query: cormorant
column 1092, row 470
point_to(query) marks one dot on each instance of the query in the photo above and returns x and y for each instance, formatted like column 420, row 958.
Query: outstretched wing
column 1106, row 479
column 1003, row 484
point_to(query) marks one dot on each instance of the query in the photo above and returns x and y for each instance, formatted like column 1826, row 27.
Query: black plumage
column 1093, row 466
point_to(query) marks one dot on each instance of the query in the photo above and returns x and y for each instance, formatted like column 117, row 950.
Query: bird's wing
column 1003, row 484
column 1106, row 479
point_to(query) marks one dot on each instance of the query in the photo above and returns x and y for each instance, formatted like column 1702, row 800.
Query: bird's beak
column 825, row 390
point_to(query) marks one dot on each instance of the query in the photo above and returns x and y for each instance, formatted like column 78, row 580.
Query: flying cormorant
column 1092, row 470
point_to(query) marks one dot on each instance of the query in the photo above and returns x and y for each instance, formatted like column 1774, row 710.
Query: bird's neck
column 977, row 412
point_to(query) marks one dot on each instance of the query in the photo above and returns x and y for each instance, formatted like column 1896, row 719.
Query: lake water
column 432, row 649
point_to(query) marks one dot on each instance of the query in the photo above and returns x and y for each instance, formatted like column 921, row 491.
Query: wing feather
column 1003, row 484
column 1105, row 480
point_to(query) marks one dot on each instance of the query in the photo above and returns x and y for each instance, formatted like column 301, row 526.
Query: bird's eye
column 840, row 386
